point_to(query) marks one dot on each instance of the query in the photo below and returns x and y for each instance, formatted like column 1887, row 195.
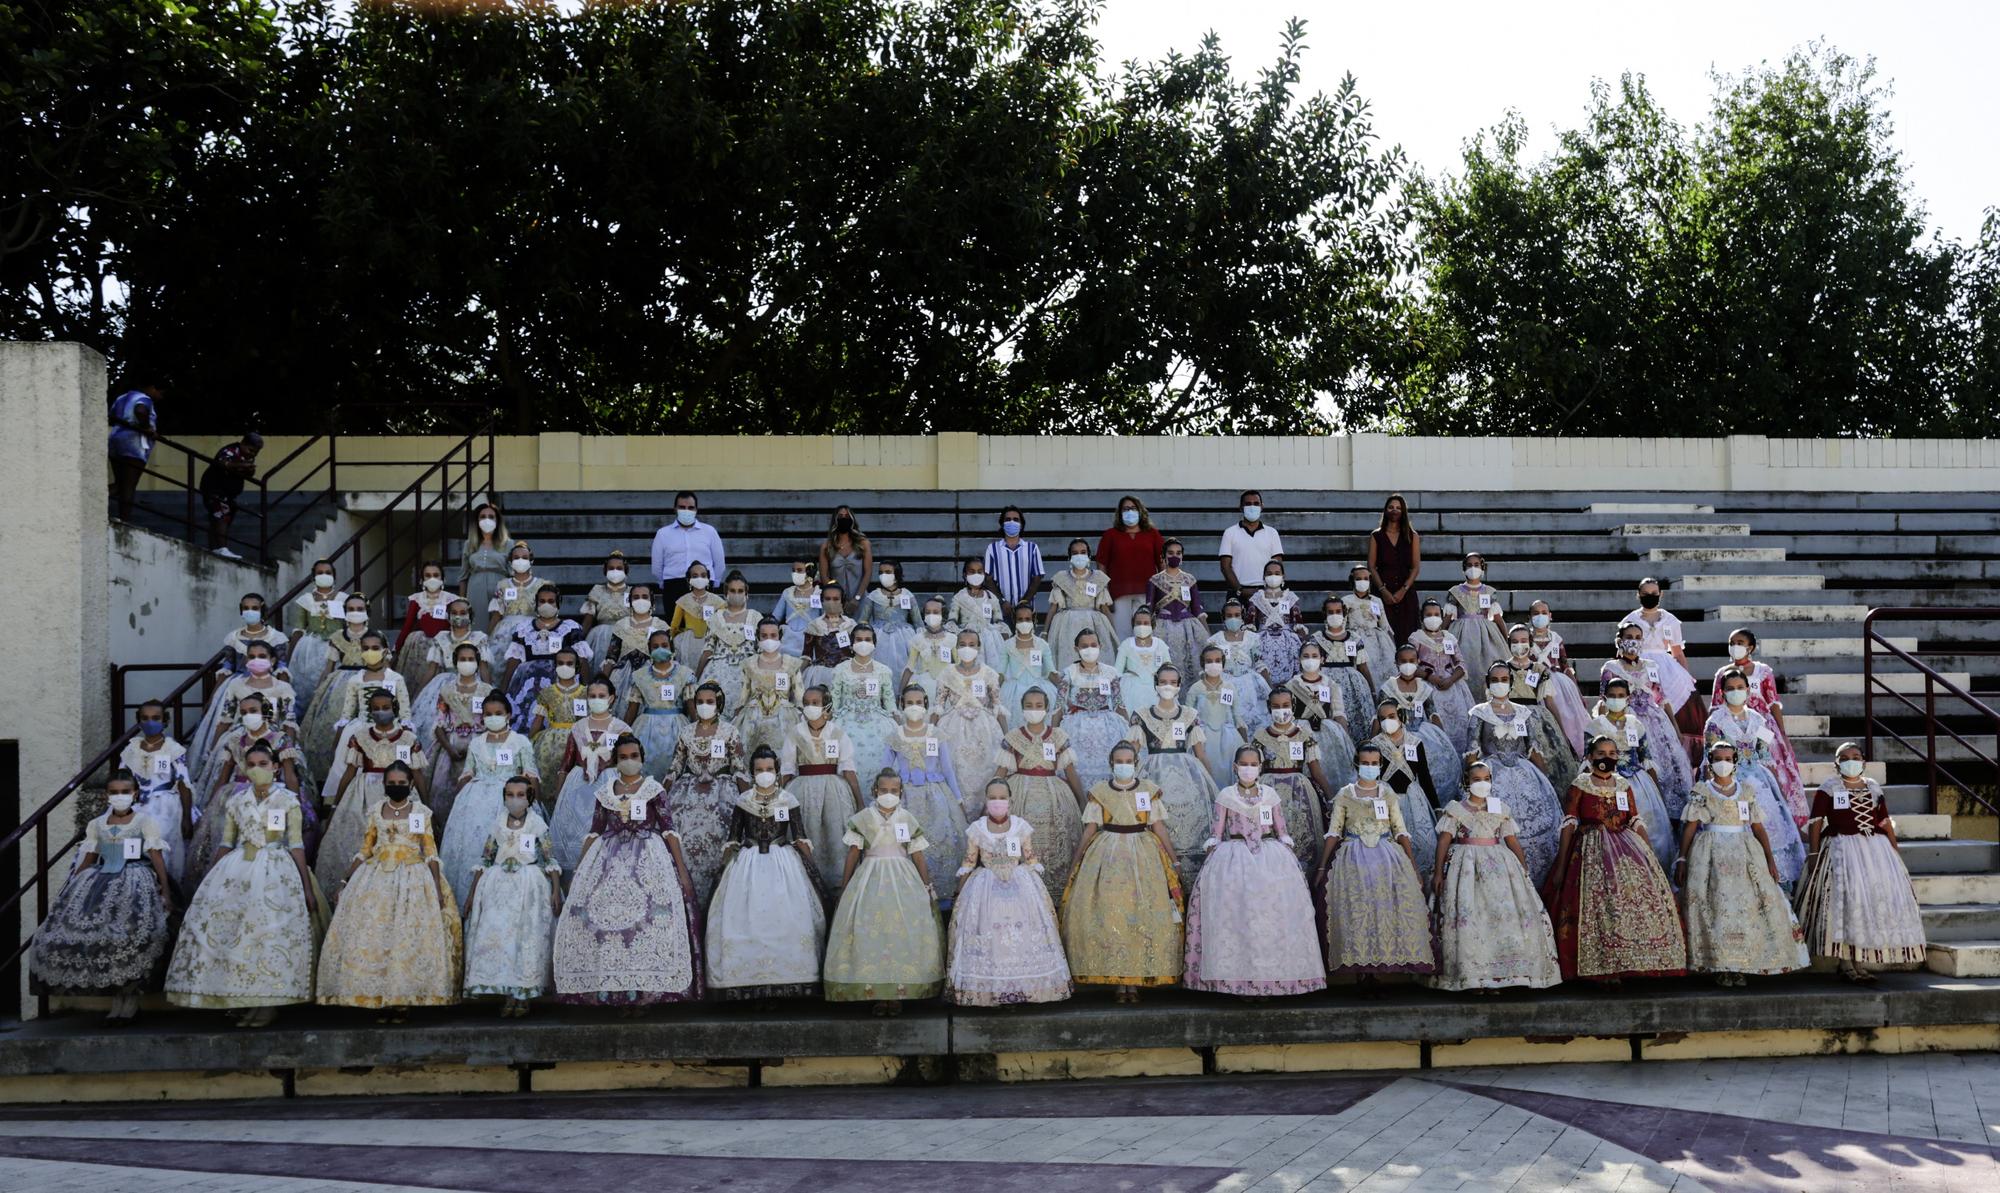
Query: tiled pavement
column 1887, row 1124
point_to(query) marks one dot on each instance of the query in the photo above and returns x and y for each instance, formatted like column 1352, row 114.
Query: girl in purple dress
column 628, row 936
column 1250, row 920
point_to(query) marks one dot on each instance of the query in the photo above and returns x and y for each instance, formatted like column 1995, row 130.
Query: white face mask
column 864, row 647
column 1738, row 651
column 967, row 654
column 1025, row 628
column 1736, row 697
column 888, row 801
column 1309, row 665
column 565, row 672
column 121, row 801
column 888, row 580
column 1281, row 716
column 698, row 583
column 1034, row 716
column 1246, row 775
column 1336, row 622
column 322, row 581
column 1142, row 632
column 705, row 710
column 1481, row 788
column 1497, row 690
column 598, row 705
column 914, row 713
column 1721, row 768
column 547, row 610
column 521, row 566
column 1475, row 573
column 974, row 579
column 1361, row 587
column 768, row 645
column 1167, row 692
column 641, row 607
column 488, row 525
column 1079, row 562
column 1252, row 512
column 1087, row 653
column 1540, row 621
column 765, row 779
column 1123, row 771
column 1614, row 704
column 933, row 620
column 815, row 712
column 798, row 579
column 468, row 666
column 1432, row 622
column 357, row 617
column 1274, row 581
column 1406, row 670
column 253, row 722
column 495, row 722
column 614, row 576
column 433, row 583
column 1852, row 767
column 1211, row 669
column 1391, row 725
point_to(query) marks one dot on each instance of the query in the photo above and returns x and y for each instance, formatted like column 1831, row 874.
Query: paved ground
column 1876, row 1123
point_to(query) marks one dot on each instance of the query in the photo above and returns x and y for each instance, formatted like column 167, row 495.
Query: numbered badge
column 503, row 757
column 1013, row 847
column 1381, row 809
column 133, row 846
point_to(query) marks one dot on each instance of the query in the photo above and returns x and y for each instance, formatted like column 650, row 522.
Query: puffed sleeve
column 1093, row 812
column 856, row 835
column 1698, row 809
column 1336, row 821
column 1003, row 758
column 149, row 832
column 917, row 843
column 489, row 855
column 368, row 836
column 92, row 833
column 229, row 831
column 1447, row 824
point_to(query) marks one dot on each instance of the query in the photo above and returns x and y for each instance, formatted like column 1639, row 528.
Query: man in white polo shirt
column 1248, row 546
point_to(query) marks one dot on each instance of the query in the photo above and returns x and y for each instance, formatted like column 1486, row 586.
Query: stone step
column 1889, row 750
column 1956, row 856
column 1943, row 890
column 1797, row 725
column 1906, row 799
column 1752, row 614
column 1922, row 826
column 1816, row 773
column 1684, row 530
column 1643, row 507
column 1820, row 648
column 1716, row 555
column 1957, row 922
column 1964, row 958
column 1712, row 583
column 1852, row 684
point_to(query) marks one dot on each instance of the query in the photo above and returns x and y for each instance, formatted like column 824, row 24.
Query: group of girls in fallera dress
column 881, row 796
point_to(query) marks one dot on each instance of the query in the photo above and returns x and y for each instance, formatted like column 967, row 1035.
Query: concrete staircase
column 1801, row 569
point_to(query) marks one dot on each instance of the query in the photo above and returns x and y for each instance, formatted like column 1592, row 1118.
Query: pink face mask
column 258, row 666
column 996, row 810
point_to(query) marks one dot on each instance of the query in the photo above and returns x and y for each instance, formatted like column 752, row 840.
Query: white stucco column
column 53, row 535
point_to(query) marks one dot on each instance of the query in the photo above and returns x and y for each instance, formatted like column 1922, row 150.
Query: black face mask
column 396, row 792
column 1607, row 765
column 1649, row 600
column 843, row 525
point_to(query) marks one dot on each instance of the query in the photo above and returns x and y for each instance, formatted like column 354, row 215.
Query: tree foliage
column 873, row 216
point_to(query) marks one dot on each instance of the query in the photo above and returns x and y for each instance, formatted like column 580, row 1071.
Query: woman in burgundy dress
column 1396, row 555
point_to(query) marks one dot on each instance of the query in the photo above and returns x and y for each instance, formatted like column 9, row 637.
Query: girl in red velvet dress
column 1614, row 912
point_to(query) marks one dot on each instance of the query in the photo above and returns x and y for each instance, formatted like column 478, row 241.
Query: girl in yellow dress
column 690, row 621
column 1121, row 913
column 395, row 941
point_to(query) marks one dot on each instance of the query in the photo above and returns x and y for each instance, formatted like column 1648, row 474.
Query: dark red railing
column 1974, row 708
column 449, row 485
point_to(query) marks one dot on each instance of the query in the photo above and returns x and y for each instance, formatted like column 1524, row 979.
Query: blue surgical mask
column 252, row 616
column 1129, row 517
column 1232, row 624
column 662, row 655
column 1369, row 771
column 684, row 517
column 152, row 728
column 1010, row 528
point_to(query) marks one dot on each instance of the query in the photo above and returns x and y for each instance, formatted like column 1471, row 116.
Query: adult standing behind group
column 1396, row 556
column 1014, row 563
column 1248, row 546
column 846, row 557
column 134, row 429
column 679, row 545
column 1129, row 552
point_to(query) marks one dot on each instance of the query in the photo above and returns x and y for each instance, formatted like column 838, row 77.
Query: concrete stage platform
column 326, row 1051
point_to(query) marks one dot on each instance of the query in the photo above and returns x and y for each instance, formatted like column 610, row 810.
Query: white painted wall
column 172, row 602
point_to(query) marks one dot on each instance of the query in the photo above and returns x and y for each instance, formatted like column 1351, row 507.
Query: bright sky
column 1436, row 73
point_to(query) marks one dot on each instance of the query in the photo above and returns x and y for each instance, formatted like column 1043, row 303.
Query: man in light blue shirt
column 134, row 427
column 681, row 543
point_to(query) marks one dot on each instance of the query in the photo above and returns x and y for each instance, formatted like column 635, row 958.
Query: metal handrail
column 37, row 822
column 1933, row 680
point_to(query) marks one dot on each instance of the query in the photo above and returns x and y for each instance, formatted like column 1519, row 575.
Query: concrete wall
column 171, row 602
column 561, row 460
column 53, row 478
